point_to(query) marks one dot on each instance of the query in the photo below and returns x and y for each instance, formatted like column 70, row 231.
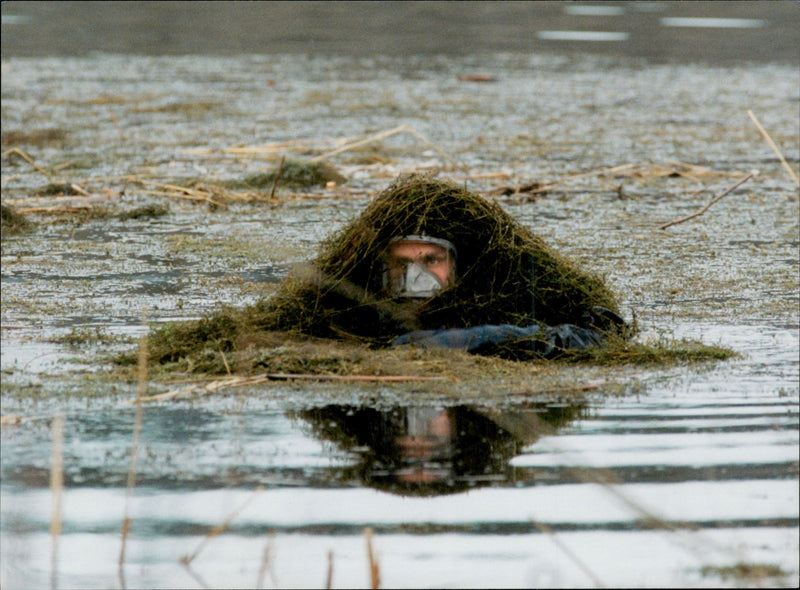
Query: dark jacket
column 519, row 341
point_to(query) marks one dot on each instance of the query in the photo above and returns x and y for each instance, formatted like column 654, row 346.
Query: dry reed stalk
column 266, row 563
column 277, row 176
column 195, row 576
column 187, row 559
column 258, row 379
column 702, row 210
column 119, row 128
column 774, row 147
column 384, row 135
column 56, row 491
column 78, row 189
column 10, row 420
column 180, row 192
column 545, row 186
column 568, row 552
column 329, row 577
column 609, row 481
column 701, row 170
column 559, row 390
column 55, row 210
column 29, row 160
column 137, row 430
column 374, row 569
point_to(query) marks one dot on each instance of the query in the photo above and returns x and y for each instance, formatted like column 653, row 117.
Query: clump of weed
column 86, row 336
column 187, row 108
column 749, row 572
column 293, row 174
column 145, row 212
column 57, row 189
column 618, row 351
column 35, row 137
column 12, row 223
column 507, row 276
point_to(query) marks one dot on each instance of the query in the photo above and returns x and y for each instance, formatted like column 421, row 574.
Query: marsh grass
column 297, row 174
column 87, row 336
column 151, row 211
column 329, row 316
column 750, row 573
column 12, row 223
column 47, row 137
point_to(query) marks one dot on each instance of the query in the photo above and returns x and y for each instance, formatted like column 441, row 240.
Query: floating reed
column 137, row 430
column 705, row 208
column 374, row 568
column 56, row 492
column 187, row 559
column 774, row 147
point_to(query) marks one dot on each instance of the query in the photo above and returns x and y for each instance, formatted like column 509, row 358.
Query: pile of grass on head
column 505, row 275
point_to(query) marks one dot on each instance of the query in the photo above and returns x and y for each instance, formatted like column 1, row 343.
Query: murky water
column 670, row 478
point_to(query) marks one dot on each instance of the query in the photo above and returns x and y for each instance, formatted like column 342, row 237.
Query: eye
column 432, row 259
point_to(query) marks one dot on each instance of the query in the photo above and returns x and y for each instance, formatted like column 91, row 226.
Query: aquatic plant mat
column 328, row 320
column 280, row 358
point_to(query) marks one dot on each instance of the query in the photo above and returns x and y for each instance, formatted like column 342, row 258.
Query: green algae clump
column 12, row 223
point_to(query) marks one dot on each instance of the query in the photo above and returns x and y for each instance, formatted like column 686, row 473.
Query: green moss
column 57, row 189
column 752, row 572
column 12, row 223
column 145, row 212
column 36, row 137
column 80, row 336
column 294, row 174
column 657, row 352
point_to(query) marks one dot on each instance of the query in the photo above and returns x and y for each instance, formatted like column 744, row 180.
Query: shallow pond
column 675, row 476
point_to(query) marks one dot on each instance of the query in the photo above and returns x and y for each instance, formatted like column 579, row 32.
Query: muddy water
column 673, row 476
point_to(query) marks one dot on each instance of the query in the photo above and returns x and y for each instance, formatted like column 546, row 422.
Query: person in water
column 432, row 264
column 418, row 267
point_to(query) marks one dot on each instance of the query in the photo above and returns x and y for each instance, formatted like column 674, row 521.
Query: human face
column 434, row 258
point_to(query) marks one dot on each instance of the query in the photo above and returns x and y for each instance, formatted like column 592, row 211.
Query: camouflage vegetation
column 506, row 275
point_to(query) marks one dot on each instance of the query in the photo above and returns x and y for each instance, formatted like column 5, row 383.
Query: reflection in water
column 432, row 450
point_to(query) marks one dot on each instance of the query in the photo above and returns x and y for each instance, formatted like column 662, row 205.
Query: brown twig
column 384, row 135
column 258, row 379
column 374, row 569
column 56, row 490
column 570, row 554
column 266, row 563
column 55, row 210
column 774, row 147
column 329, row 578
column 137, row 430
column 187, row 559
column 277, row 176
column 29, row 160
column 558, row 390
column 702, row 210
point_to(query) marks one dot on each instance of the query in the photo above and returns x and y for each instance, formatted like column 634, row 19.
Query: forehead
column 414, row 248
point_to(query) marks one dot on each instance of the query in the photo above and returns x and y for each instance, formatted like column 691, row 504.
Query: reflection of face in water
column 427, row 450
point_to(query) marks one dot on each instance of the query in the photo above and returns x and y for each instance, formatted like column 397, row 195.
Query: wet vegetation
column 52, row 136
column 751, row 573
column 151, row 211
column 338, row 297
column 295, row 174
column 12, row 222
